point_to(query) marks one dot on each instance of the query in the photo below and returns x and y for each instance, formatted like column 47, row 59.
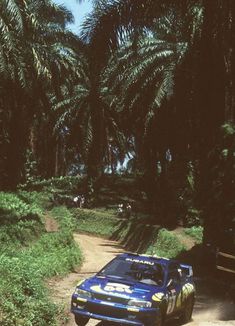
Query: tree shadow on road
column 134, row 235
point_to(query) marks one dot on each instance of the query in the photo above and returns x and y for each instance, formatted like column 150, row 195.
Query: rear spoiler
column 187, row 269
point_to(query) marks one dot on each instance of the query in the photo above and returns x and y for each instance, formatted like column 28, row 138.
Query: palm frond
column 11, row 13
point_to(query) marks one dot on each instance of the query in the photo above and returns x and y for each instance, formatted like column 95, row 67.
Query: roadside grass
column 196, row 232
column 64, row 217
column 166, row 245
column 134, row 234
column 29, row 256
column 98, row 222
column 20, row 223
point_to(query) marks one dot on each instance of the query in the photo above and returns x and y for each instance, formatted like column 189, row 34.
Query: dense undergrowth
column 28, row 256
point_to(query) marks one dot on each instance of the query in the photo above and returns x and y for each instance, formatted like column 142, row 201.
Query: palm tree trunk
column 3, row 146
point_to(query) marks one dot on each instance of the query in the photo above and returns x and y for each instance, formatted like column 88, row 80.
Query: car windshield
column 133, row 269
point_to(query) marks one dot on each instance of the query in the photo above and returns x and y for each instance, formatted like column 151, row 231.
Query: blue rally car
column 136, row 290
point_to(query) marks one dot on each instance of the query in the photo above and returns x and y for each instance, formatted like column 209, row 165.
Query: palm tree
column 76, row 112
column 34, row 58
column 204, row 83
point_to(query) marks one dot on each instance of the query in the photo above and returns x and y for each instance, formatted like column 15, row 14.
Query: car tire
column 81, row 321
column 188, row 310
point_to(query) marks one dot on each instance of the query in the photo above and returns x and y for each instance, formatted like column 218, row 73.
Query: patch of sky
column 79, row 10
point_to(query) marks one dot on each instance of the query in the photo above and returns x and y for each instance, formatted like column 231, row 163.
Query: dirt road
column 211, row 309
column 97, row 252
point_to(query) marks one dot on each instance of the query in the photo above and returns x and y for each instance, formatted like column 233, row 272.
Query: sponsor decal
column 187, row 289
column 113, row 287
column 97, row 288
column 158, row 296
column 117, row 287
column 140, row 261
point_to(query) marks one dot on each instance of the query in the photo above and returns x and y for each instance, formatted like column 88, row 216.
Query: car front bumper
column 113, row 312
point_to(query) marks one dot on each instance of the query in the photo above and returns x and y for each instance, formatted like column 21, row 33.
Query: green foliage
column 30, row 168
column 102, row 223
column 193, row 217
column 18, row 235
column 37, row 59
column 218, row 197
column 23, row 297
column 41, row 199
column 20, row 222
column 195, row 232
column 53, row 254
column 228, row 129
column 14, row 209
column 166, row 245
column 52, row 192
column 23, row 269
column 144, row 75
column 65, row 183
column 66, row 220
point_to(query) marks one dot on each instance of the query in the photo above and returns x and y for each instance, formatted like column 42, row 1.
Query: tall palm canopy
column 36, row 54
column 150, row 77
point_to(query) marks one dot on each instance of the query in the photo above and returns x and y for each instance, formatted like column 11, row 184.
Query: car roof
column 147, row 258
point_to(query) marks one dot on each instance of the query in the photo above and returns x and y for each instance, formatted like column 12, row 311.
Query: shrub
column 23, row 297
column 20, row 223
column 13, row 209
column 195, row 232
column 42, row 200
column 166, row 245
column 69, row 183
column 193, row 217
column 18, row 235
column 64, row 218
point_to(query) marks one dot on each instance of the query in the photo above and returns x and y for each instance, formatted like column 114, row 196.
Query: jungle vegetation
column 147, row 79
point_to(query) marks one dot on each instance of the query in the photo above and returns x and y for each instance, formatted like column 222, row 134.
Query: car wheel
column 81, row 321
column 188, row 310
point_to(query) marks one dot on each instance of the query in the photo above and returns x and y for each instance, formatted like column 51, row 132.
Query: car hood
column 120, row 287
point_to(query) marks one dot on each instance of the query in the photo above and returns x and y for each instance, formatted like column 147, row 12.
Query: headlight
column 82, row 293
column 140, row 303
